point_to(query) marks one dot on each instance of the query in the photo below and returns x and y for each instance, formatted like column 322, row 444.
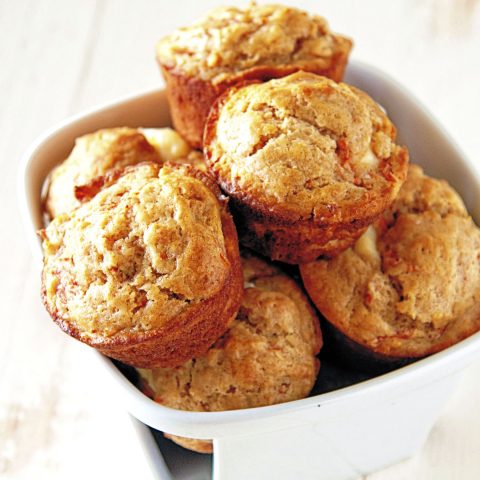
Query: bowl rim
column 447, row 361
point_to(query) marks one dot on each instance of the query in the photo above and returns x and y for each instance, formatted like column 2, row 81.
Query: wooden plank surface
column 58, row 57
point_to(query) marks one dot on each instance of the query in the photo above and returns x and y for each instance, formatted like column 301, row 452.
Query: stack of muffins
column 141, row 255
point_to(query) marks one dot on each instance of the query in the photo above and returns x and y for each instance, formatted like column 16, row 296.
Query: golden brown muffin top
column 410, row 285
column 97, row 153
column 266, row 357
column 233, row 39
column 306, row 145
column 137, row 254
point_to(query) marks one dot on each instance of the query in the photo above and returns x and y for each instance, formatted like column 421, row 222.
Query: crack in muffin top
column 231, row 39
column 306, row 144
column 137, row 254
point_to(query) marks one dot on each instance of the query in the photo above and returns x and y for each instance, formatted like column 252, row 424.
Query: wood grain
column 57, row 57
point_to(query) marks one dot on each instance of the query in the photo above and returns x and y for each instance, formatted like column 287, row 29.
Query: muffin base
column 343, row 350
column 294, row 242
column 278, row 235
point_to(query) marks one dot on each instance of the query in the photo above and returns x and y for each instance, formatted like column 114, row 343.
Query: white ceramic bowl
column 338, row 435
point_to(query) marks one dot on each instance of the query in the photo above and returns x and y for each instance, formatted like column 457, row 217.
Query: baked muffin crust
column 229, row 40
column 93, row 155
column 98, row 153
column 267, row 356
column 411, row 286
column 231, row 46
column 149, row 259
column 303, row 152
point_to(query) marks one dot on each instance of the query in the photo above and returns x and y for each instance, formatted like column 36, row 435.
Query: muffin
column 267, row 356
column 308, row 164
column 148, row 271
column 411, row 284
column 231, row 45
column 100, row 152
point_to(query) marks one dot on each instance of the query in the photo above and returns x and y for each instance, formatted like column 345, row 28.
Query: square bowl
column 337, row 435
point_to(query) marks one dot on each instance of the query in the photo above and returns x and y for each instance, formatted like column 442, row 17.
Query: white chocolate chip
column 369, row 160
column 168, row 143
column 366, row 246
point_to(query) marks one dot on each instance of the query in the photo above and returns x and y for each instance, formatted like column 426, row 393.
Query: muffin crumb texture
column 231, row 39
column 412, row 286
column 313, row 146
column 308, row 164
column 139, row 253
column 96, row 154
column 266, row 357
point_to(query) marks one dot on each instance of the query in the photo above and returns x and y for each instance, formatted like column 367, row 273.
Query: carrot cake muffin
column 97, row 153
column 231, row 45
column 267, row 356
column 410, row 286
column 308, row 164
column 148, row 271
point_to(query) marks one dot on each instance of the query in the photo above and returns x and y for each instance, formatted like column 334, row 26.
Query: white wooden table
column 59, row 57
